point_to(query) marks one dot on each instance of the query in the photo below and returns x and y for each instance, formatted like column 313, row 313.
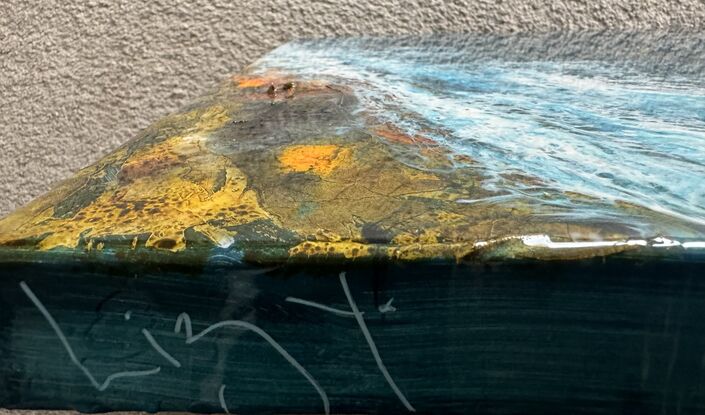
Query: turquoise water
column 600, row 128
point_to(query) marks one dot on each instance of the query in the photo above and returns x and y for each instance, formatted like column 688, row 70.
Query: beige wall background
column 79, row 78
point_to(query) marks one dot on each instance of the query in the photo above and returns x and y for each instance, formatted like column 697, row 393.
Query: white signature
column 183, row 321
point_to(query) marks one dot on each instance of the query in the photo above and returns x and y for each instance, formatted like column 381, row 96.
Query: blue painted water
column 599, row 128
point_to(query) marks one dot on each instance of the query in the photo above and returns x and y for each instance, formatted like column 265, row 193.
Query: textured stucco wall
column 79, row 78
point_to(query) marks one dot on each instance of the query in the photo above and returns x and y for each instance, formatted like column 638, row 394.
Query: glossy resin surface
column 404, row 149
column 486, row 224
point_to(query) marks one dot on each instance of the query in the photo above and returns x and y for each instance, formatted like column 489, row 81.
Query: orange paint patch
column 153, row 161
column 319, row 159
column 463, row 158
column 256, row 81
column 396, row 136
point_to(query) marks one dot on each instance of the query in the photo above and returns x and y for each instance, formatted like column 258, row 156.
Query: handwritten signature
column 183, row 323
